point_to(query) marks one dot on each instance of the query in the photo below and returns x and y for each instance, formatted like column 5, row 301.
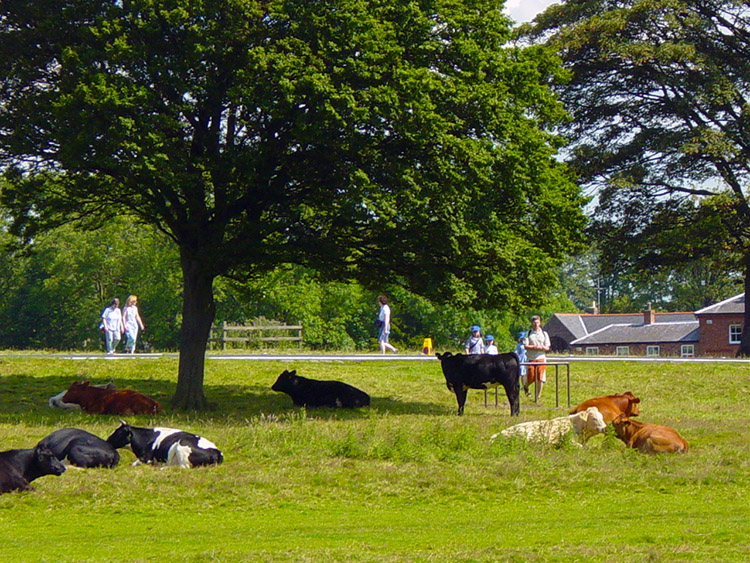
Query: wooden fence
column 258, row 335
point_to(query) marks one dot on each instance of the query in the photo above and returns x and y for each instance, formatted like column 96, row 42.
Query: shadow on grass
column 23, row 399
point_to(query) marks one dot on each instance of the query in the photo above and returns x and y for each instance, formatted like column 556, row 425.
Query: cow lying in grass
column 81, row 448
column 98, row 400
column 648, row 438
column 313, row 393
column 56, row 401
column 582, row 425
column 18, row 468
column 166, row 445
column 481, row 371
column 611, row 406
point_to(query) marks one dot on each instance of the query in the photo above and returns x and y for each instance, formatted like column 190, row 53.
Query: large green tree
column 369, row 139
column 660, row 102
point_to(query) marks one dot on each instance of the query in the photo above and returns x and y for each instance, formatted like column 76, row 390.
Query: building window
column 652, row 351
column 687, row 351
column 735, row 334
column 622, row 350
column 592, row 351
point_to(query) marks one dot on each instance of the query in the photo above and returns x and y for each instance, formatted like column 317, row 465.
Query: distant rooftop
column 734, row 304
column 643, row 333
column 580, row 325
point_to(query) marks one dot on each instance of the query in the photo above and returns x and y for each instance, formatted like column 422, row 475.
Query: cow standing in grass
column 481, row 371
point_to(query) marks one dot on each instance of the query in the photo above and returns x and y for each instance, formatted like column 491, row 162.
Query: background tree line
column 53, row 293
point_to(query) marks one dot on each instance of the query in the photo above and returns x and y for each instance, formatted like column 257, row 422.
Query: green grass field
column 403, row 481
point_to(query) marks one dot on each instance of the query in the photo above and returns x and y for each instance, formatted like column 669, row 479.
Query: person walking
column 383, row 322
column 113, row 327
column 537, row 345
column 133, row 323
column 473, row 344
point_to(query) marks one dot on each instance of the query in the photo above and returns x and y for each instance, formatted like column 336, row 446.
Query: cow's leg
column 460, row 398
column 512, row 392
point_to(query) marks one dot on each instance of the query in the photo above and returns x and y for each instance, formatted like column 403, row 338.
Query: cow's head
column 624, row 427
column 75, row 392
column 594, row 423
column 632, row 408
column 46, row 463
column 286, row 380
column 122, row 435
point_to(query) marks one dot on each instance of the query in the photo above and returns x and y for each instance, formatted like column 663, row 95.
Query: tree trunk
column 744, row 349
column 198, row 311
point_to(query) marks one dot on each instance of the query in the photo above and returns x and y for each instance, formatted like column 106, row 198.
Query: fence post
column 223, row 335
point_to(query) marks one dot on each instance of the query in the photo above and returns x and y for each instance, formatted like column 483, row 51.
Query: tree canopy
column 659, row 100
column 378, row 140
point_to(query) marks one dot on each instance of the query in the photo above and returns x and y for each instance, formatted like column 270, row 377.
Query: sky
column 525, row 10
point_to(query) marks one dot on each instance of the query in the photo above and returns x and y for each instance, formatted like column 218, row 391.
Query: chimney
column 649, row 315
column 593, row 310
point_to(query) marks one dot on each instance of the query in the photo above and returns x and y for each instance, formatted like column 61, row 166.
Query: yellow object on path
column 427, row 347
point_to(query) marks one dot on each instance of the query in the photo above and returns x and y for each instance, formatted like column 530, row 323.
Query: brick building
column 713, row 331
column 720, row 327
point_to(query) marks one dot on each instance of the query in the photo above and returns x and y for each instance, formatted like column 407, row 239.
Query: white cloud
column 525, row 10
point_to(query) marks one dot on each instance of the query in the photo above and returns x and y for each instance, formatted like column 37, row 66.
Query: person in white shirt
column 113, row 327
column 133, row 323
column 384, row 325
column 489, row 347
column 537, row 344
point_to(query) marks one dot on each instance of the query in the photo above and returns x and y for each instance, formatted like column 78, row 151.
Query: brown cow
column 648, row 438
column 97, row 400
column 612, row 405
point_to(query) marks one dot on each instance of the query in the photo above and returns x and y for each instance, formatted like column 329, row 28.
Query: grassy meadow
column 403, row 481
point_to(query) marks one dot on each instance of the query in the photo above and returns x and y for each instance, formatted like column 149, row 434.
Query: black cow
column 81, row 448
column 166, row 445
column 18, row 468
column 481, row 371
column 313, row 393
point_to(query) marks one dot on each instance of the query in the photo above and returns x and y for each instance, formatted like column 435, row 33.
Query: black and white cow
column 166, row 445
column 481, row 371
column 18, row 468
column 81, row 448
column 313, row 393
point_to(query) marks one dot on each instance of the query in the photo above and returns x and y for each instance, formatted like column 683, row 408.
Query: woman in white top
column 133, row 323
column 113, row 327
column 384, row 325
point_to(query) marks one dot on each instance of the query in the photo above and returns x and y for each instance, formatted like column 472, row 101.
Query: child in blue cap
column 521, row 353
column 489, row 347
column 474, row 344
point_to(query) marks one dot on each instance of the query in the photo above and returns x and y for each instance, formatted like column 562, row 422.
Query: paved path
column 353, row 357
